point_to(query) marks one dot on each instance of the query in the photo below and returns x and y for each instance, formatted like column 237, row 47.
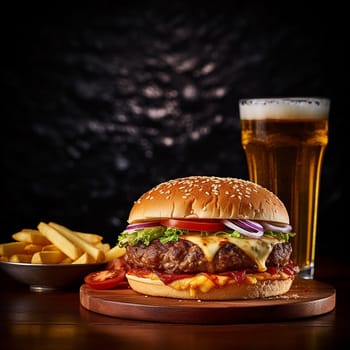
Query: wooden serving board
column 306, row 298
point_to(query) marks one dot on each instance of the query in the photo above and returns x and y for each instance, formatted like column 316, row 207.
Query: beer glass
column 284, row 140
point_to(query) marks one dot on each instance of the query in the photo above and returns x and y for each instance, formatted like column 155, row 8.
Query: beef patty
column 184, row 256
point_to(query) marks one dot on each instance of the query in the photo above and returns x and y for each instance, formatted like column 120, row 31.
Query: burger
column 208, row 238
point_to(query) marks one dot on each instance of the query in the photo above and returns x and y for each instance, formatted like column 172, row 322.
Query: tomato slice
column 105, row 279
column 195, row 225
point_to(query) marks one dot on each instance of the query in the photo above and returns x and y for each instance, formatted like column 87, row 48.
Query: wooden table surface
column 56, row 320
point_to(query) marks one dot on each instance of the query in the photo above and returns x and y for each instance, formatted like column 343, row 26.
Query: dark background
column 103, row 100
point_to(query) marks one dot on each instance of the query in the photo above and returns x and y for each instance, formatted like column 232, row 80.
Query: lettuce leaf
column 145, row 236
column 172, row 234
column 280, row 235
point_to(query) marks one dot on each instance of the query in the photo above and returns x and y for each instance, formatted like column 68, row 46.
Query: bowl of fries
column 54, row 257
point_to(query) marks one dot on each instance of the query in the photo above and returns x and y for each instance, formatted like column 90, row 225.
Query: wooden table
column 56, row 320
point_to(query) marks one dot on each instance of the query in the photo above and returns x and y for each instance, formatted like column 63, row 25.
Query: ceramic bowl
column 47, row 277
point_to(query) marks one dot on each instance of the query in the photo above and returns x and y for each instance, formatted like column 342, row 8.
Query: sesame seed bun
column 205, row 197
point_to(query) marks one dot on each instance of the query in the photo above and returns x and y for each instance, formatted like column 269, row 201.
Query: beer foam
column 278, row 108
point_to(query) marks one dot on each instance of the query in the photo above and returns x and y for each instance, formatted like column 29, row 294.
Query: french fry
column 49, row 247
column 115, row 252
column 60, row 241
column 105, row 247
column 89, row 237
column 32, row 248
column 48, row 257
column 85, row 258
column 21, row 258
column 30, row 236
column 97, row 254
column 8, row 249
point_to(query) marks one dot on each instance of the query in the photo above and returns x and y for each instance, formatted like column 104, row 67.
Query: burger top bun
column 209, row 197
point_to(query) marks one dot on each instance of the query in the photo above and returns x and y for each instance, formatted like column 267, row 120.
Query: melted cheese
column 202, row 282
column 257, row 249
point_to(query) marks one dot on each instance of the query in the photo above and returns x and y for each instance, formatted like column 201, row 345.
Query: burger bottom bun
column 262, row 289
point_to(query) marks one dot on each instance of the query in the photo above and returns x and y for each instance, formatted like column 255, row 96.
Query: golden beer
column 284, row 142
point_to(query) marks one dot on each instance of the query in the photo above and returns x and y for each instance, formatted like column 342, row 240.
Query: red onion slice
column 276, row 227
column 133, row 227
column 249, row 225
column 245, row 227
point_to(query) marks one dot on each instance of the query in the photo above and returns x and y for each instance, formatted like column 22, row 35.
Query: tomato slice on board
column 195, row 225
column 105, row 279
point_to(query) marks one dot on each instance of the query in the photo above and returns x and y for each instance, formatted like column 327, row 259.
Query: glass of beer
column 284, row 140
